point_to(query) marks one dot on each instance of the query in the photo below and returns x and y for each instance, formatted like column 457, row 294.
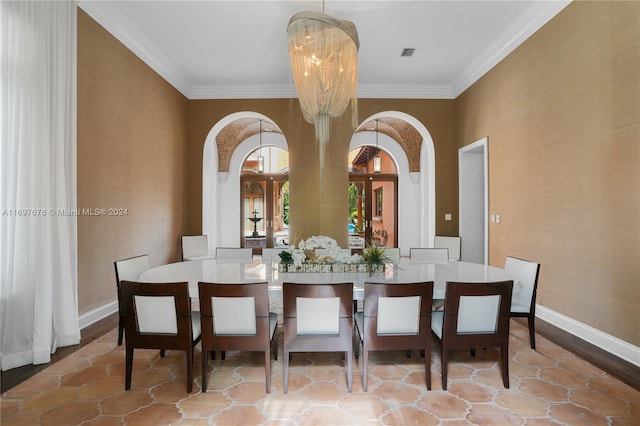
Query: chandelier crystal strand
column 324, row 64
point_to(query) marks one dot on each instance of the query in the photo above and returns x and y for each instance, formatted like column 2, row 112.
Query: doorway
column 373, row 209
column 264, row 211
column 473, row 174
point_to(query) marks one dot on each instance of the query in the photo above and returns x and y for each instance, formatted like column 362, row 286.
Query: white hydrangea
column 333, row 252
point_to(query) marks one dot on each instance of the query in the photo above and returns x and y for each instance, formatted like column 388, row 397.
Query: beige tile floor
column 549, row 386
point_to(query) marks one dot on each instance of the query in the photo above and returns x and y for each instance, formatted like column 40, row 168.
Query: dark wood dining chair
column 395, row 317
column 523, row 303
column 129, row 270
column 236, row 317
column 318, row 318
column 475, row 315
column 158, row 316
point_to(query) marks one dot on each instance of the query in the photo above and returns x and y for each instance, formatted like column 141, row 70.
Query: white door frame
column 473, row 193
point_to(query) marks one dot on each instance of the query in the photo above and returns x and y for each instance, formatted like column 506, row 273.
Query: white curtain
column 38, row 310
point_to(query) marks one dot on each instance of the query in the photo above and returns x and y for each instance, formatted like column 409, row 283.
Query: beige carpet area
column 549, row 386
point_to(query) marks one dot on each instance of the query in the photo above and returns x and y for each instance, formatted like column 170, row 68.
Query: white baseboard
column 97, row 314
column 607, row 342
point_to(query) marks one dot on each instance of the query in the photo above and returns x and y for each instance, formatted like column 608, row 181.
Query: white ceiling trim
column 396, row 91
column 258, row 91
column 538, row 15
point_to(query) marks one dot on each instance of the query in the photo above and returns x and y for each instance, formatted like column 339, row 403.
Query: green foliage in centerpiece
column 375, row 255
column 285, row 256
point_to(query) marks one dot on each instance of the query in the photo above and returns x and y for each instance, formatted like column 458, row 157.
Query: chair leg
column 408, row 354
column 223, row 355
column 162, row 353
column 504, row 352
column 532, row 330
column 443, row 368
column 285, row 372
column 427, row 367
column 204, row 370
column 349, row 356
column 189, row 370
column 365, row 369
column 473, row 351
column 120, row 329
column 267, row 370
column 274, row 346
column 128, row 368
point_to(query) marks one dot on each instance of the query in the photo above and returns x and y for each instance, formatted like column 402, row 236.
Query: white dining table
column 211, row 270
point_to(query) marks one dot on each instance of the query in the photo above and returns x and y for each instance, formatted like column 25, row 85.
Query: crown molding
column 159, row 64
column 257, row 91
column 289, row 91
column 539, row 13
column 405, row 91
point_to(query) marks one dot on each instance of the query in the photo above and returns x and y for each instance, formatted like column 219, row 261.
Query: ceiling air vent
column 407, row 52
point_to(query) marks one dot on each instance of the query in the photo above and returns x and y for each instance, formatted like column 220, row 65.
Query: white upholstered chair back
column 451, row 243
column 318, row 315
column 195, row 247
column 478, row 314
column 398, row 315
column 429, row 255
column 130, row 269
column 156, row 314
column 527, row 273
column 234, row 254
column 234, row 315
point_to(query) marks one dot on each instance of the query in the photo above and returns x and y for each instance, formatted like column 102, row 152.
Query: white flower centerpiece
column 332, row 259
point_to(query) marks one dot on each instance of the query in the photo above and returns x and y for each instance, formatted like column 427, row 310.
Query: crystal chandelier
column 324, row 63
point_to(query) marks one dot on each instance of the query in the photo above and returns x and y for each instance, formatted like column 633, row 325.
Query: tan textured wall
column 562, row 117
column 131, row 139
column 435, row 115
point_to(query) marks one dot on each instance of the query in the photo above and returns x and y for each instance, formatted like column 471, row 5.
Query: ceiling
column 238, row 49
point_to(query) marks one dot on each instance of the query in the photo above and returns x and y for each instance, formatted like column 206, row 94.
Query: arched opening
column 264, row 208
column 415, row 189
column 221, row 188
column 415, row 194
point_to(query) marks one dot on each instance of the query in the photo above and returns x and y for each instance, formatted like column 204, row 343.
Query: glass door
column 373, row 209
column 264, row 211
